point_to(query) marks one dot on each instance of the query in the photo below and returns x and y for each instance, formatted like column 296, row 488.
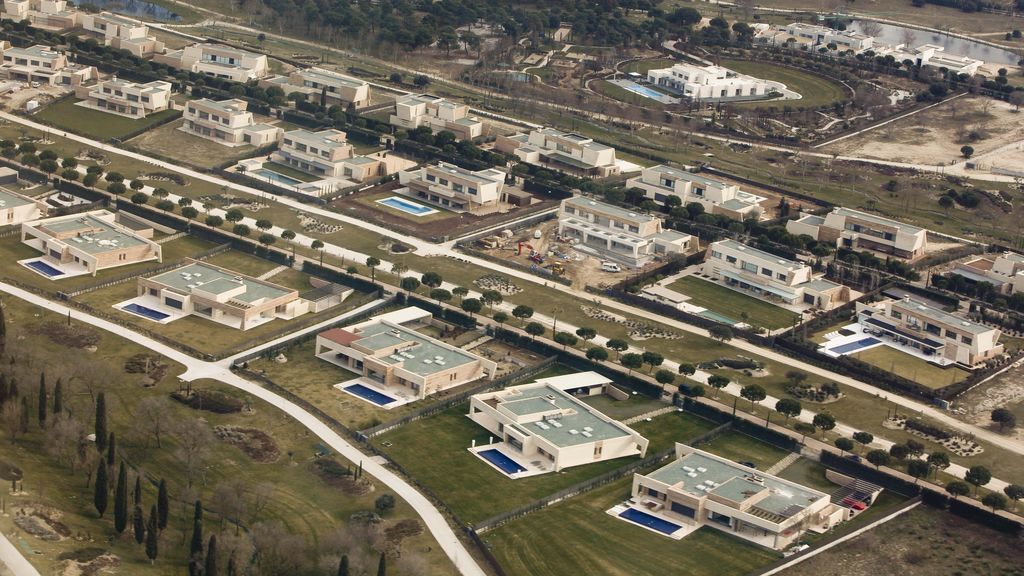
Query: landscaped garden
column 732, row 303
column 103, row 126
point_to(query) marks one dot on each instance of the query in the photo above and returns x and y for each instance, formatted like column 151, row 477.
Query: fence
column 132, row 276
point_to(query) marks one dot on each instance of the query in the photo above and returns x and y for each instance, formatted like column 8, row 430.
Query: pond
column 136, row 8
column 891, row 34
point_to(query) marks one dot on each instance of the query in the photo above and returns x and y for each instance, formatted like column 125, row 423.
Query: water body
column 135, row 8
column 891, row 34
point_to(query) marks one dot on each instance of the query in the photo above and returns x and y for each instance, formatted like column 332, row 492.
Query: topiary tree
column 995, row 501
column 789, row 408
column 499, row 317
column 878, row 457
column 1014, row 492
column 632, row 361
column 472, row 305
column 241, row 229
column 653, row 359
column 824, row 421
column 687, row 369
column 863, row 438
column 899, row 451
column 967, row 151
column 718, row 382
column 139, row 198
column 214, row 221
column 586, row 334
column 844, row 444
column 535, row 329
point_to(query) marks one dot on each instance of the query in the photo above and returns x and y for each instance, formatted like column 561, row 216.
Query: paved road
column 432, row 517
column 11, row 557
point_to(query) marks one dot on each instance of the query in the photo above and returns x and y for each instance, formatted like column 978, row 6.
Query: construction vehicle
column 556, row 268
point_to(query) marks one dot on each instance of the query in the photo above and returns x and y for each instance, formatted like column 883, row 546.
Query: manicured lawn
column 664, row 431
column 635, row 405
column 808, row 473
column 815, row 90
column 732, row 303
column 94, row 123
column 739, row 447
column 911, row 367
column 642, row 66
column 289, row 171
column 243, row 263
column 619, row 93
column 292, row 278
column 577, row 537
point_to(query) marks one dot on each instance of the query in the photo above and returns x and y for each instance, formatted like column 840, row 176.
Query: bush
column 209, row 400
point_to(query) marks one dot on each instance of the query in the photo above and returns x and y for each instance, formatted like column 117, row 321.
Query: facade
column 388, row 352
column 1005, row 272
column 454, row 188
column 91, row 240
column 316, row 83
column 770, row 277
column 717, row 197
column 617, row 234
column 546, row 421
column 934, row 56
column 701, row 489
column 862, row 231
column 708, row 82
column 415, row 110
column 942, row 337
column 44, row 65
column 122, row 33
column 326, row 154
column 127, row 98
column 17, row 208
column 814, row 35
column 562, row 151
column 48, row 14
column 227, row 122
column 217, row 60
column 221, row 295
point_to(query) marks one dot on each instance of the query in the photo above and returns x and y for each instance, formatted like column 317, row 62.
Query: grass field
column 732, row 303
column 664, row 431
column 619, row 93
column 910, row 367
column 815, row 90
column 290, row 172
column 188, row 149
column 642, row 66
column 635, row 405
column 67, row 115
column 739, row 447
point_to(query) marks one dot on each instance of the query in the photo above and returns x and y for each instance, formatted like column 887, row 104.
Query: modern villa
column 122, row 33
column 717, row 197
column 619, row 234
column 227, row 122
column 815, row 35
column 563, row 151
column 45, row 65
column 415, row 110
column 326, row 154
column 217, row 60
column 127, row 98
column 17, row 208
column 1005, row 272
column 858, row 230
column 46, row 14
column 453, row 187
column 86, row 243
column 317, row 83
column 709, row 83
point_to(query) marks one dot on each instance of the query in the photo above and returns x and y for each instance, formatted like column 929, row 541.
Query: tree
column 665, row 377
column 49, row 166
column 789, row 408
column 266, row 239
column 101, row 489
column 945, row 202
column 441, row 295
column 121, row 500
column 804, row 428
column 384, row 504
column 343, row 565
column 210, row 567
column 586, row 334
column 618, row 345
column 753, row 392
column 958, row 488
column 163, row 505
column 409, row 284
column 137, row 493
column 136, row 185
column 687, row 369
column 1004, row 418
column 718, row 382
column 720, row 332
column 42, row 404
column 241, row 230
column 138, row 525
column 899, row 451
column 566, row 339
column 653, row 359
column 796, row 377
column 12, row 417
column 967, row 151
column 461, row 292
column 58, row 398
column 1014, row 492
column 111, row 449
column 844, row 444
column 824, row 422
column 918, row 469
column 372, row 262
column 264, row 224
column 151, row 536
column 939, row 460
column 632, row 361
column 978, row 476
column 472, row 305
column 522, row 312
column 101, row 422
column 139, row 198
column 597, row 354
column 116, row 188
column 863, row 438
column 878, row 457
column 288, row 235
column 196, row 547
column 165, row 206
column 500, row 317
column 535, row 329
column 995, row 501
column 234, row 215
column 212, row 221
column 433, row 280
column 189, row 212
column 491, row 298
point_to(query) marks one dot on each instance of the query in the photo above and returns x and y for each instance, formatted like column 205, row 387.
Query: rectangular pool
column 652, row 522
column 145, row 312
column 279, row 178
column 720, row 318
column 44, row 268
column 406, row 206
column 370, row 395
column 504, row 463
column 855, row 346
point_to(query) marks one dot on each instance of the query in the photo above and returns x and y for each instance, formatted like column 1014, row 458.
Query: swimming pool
column 279, row 178
column 406, row 206
column 369, row 394
column 855, row 346
column 646, row 520
column 504, row 463
column 722, row 318
column 44, row 268
column 644, row 91
column 145, row 312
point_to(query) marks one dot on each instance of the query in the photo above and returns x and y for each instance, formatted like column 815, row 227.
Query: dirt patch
column 42, row 522
column 9, row 471
column 333, row 473
column 88, row 562
column 150, row 365
column 209, row 400
column 72, row 336
column 407, row 528
column 1006, row 391
column 256, row 444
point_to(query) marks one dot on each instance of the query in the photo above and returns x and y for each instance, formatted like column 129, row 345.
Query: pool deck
column 69, row 270
column 646, row 92
column 400, row 200
column 153, row 304
column 683, row 531
column 532, row 468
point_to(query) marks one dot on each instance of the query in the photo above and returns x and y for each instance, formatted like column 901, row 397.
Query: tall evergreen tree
column 381, row 567
column 210, row 566
column 137, row 494
column 42, row 400
column 139, row 525
column 12, row 389
column 3, row 388
column 343, row 565
column 24, row 415
column 195, row 557
column 231, row 570
column 151, row 536
column 163, row 505
column 101, row 489
column 121, row 500
column 3, row 330
column 111, row 449
column 58, row 398
column 101, row 422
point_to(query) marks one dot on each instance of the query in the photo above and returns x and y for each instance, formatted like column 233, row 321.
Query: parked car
column 610, row 267
column 748, row 464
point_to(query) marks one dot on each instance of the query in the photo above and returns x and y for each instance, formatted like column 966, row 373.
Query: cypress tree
column 121, row 500
column 196, row 547
column 163, row 505
column 210, row 567
column 137, row 495
column 231, row 571
column 3, row 330
column 101, row 422
column 42, row 400
column 343, row 565
column 12, row 389
column 111, row 449
column 381, row 568
column 24, row 414
column 58, row 398
column 151, row 536
column 99, row 497
column 138, row 525
column 3, row 388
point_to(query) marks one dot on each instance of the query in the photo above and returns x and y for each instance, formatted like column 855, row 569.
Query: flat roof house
column 701, row 489
column 563, row 151
column 92, row 241
column 217, row 60
column 717, row 197
column 392, row 356
column 221, row 295
column 227, row 122
column 862, row 231
column 713, row 83
column 815, row 35
column 327, row 154
column 47, row 14
column 126, row 98
column 415, row 110
column 45, row 65
column 17, row 208
column 545, row 427
column 123, row 33
column 316, row 83
column 943, row 338
column 453, row 187
column 1005, row 271
column 618, row 234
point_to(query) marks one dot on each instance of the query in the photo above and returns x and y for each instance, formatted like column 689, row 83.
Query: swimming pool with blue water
column 406, row 206
column 504, row 463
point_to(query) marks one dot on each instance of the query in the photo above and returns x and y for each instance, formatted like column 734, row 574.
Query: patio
column 509, row 457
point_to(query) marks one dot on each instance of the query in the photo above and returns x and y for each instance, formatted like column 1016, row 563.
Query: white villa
column 848, row 228
column 122, row 32
column 1003, row 271
column 713, row 83
column 327, row 154
column 127, row 98
column 454, row 188
column 48, row 14
column 217, row 60
column 227, row 122
column 45, row 65
column 563, row 151
column 618, row 234
column 717, row 197
column 415, row 110
column 316, row 83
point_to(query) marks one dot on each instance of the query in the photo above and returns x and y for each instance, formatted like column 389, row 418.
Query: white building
column 454, row 188
column 713, row 83
column 17, row 208
column 227, row 122
column 86, row 243
column 545, row 427
column 717, row 197
column 618, row 234
column 327, row 154
column 47, row 14
column 122, row 32
column 44, row 65
column 415, row 110
column 1005, row 271
column 316, row 83
column 814, row 35
column 858, row 230
column 563, row 151
column 217, row 60
column 127, row 98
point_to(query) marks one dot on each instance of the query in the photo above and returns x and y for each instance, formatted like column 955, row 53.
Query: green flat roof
column 425, row 357
column 201, row 276
column 93, row 235
column 9, row 199
column 577, row 423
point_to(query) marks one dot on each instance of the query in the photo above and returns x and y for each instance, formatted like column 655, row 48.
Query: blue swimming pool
column 406, row 206
column 721, row 318
column 504, row 463
column 44, row 268
column 652, row 522
column 145, row 312
column 274, row 176
column 370, row 394
column 855, row 346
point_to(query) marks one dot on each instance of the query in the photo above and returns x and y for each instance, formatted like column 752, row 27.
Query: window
column 431, row 178
column 597, row 451
column 668, row 183
column 896, row 314
column 683, row 510
column 749, row 267
column 634, row 229
column 472, row 191
column 966, row 340
column 730, row 259
column 173, row 303
column 716, row 254
column 951, row 334
column 766, row 272
column 456, row 186
column 443, row 182
column 780, row 276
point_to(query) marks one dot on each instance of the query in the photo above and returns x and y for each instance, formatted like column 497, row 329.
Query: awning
column 770, row 289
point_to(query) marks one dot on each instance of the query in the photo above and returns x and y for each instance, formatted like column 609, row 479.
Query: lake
column 136, row 8
column 891, row 34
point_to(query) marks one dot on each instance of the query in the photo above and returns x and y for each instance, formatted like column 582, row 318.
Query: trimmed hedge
column 336, row 277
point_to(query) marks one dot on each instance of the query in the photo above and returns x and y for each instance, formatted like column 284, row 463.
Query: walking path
column 11, row 557
column 781, row 465
column 648, row 415
column 273, row 271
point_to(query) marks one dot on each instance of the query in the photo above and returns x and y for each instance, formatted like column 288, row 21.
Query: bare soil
column 256, row 444
column 1004, row 391
column 72, row 336
column 333, row 473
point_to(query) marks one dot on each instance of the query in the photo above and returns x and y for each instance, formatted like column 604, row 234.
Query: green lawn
column 664, row 431
column 577, row 537
column 67, row 115
column 732, row 303
column 642, row 66
column 635, row 405
column 808, row 473
column 238, row 261
column 619, row 93
column 739, row 447
column 815, row 90
column 911, row 367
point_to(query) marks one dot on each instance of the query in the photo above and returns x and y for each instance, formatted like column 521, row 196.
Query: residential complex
column 454, row 188
column 227, row 122
column 771, row 277
column 618, row 234
column 325, row 153
column 701, row 489
column 217, row 60
column 317, row 83
column 712, row 83
column 814, row 36
column 717, row 197
column 47, row 14
column 546, row 427
column 563, row 151
column 392, row 355
column 87, row 242
column 17, row 208
column 1004, row 271
column 862, row 231
column 943, row 338
column 415, row 110
column 219, row 294
column 123, row 33
column 44, row 65
column 127, row 98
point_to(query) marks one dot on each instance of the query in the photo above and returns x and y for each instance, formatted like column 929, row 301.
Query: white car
column 610, row 267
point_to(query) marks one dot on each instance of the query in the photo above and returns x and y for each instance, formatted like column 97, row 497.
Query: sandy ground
column 1005, row 391
column 935, row 135
column 16, row 100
